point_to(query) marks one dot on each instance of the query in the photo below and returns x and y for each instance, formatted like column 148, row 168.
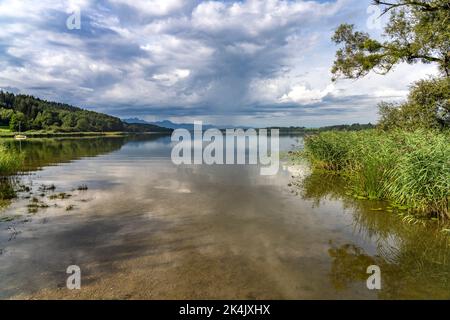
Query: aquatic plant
column 421, row 176
column 411, row 169
column 10, row 161
column 60, row 196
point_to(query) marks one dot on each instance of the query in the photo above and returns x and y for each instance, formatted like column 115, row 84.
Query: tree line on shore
column 26, row 112
column 36, row 114
column 339, row 127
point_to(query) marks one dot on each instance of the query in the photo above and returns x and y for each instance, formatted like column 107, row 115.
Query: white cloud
column 173, row 77
column 301, row 94
column 268, row 59
column 253, row 17
column 153, row 7
column 390, row 93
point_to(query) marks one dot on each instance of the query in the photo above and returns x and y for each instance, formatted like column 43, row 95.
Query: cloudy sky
column 249, row 62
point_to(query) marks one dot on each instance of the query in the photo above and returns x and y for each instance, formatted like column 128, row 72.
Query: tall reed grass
column 10, row 161
column 411, row 169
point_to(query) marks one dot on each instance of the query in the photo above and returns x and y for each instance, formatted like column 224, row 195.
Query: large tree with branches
column 417, row 31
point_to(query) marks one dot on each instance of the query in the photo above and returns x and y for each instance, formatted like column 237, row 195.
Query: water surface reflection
column 148, row 229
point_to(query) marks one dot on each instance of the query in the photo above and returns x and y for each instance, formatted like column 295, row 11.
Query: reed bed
column 11, row 162
column 410, row 169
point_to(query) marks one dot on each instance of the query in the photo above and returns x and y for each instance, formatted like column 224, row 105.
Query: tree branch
column 424, row 6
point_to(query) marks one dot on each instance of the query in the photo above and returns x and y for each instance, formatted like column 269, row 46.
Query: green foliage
column 16, row 121
column 7, row 191
column 37, row 114
column 5, row 116
column 411, row 169
column 428, row 106
column 418, row 31
column 13, row 122
column 421, row 177
column 10, row 161
column 329, row 150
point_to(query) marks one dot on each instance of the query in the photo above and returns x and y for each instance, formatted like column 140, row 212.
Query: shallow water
column 146, row 228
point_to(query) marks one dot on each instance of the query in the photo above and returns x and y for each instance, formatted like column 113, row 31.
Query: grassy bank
column 410, row 169
column 46, row 133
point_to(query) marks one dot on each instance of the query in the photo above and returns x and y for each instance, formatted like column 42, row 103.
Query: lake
column 148, row 229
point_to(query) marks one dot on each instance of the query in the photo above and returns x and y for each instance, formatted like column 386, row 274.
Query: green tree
column 38, row 121
column 48, row 118
column 40, row 114
column 417, row 31
column 69, row 120
column 5, row 116
column 13, row 122
column 428, row 106
column 83, row 125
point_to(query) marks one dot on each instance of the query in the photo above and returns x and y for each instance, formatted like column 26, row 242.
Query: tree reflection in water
column 414, row 259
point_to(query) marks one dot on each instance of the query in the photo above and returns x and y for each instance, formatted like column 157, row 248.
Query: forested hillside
column 37, row 114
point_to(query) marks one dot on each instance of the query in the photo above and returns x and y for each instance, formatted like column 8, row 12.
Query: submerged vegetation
column 33, row 154
column 410, row 169
column 7, row 191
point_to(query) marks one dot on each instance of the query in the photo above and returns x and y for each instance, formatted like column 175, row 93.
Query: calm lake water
column 146, row 228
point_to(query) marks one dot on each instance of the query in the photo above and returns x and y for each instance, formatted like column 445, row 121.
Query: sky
column 249, row 62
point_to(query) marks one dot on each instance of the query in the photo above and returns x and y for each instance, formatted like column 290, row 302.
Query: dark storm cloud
column 174, row 58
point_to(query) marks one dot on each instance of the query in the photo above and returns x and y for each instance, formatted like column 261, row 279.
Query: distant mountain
column 167, row 124
column 172, row 125
column 135, row 120
column 145, row 127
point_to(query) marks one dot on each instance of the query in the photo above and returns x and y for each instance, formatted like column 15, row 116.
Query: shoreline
column 78, row 134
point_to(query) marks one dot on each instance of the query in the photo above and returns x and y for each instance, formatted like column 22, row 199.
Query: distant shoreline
column 77, row 134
